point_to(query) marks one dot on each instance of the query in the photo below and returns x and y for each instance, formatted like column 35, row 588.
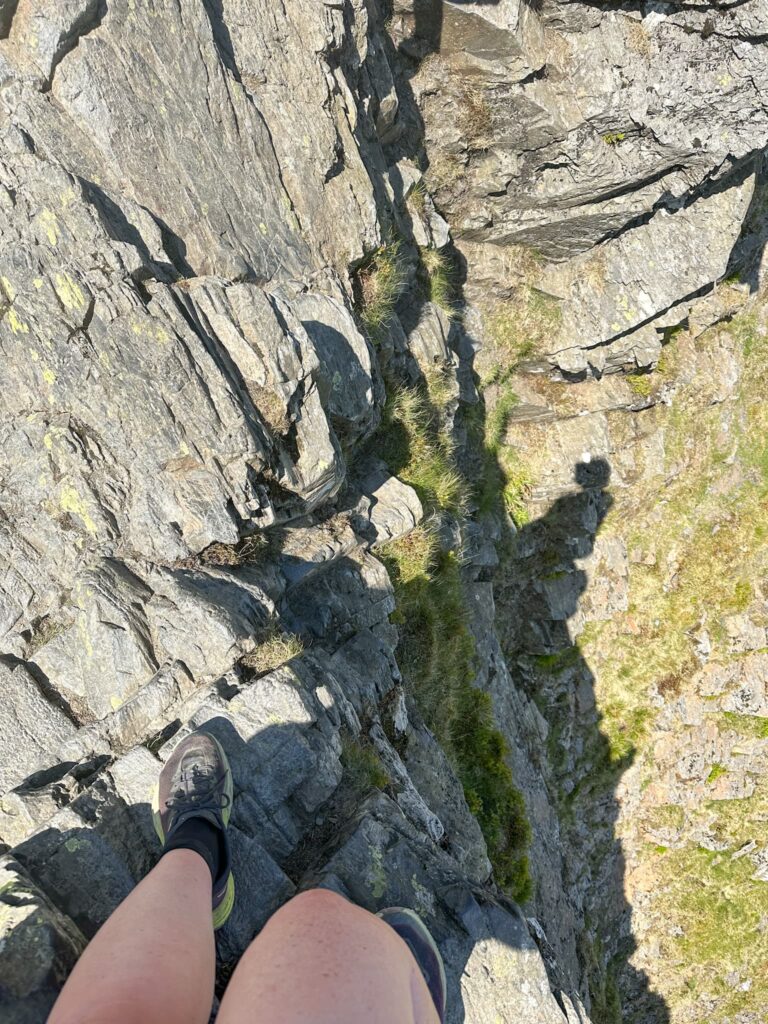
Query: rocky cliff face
column 603, row 173
column 258, row 476
column 191, row 512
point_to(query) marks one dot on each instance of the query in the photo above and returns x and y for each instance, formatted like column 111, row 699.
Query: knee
column 318, row 903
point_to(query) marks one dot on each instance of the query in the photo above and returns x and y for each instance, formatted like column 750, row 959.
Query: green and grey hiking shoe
column 196, row 783
column 417, row 938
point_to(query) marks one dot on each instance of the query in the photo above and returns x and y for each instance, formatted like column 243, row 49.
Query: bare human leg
column 324, row 960
column 153, row 961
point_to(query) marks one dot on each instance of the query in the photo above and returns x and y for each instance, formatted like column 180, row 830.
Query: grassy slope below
column 676, row 751
column 700, row 533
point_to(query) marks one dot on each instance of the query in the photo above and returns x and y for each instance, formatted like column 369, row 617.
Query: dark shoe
column 415, row 935
column 196, row 782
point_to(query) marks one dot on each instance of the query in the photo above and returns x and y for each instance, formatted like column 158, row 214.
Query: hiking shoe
column 415, row 935
column 196, row 782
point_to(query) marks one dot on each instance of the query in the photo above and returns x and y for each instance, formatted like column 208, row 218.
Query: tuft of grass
column 273, row 649
column 440, row 284
column 436, row 650
column 601, row 978
column 363, row 770
column 380, row 282
column 638, row 39
column 613, row 138
column 249, row 551
column 524, row 326
column 220, row 554
column 410, row 442
column 42, row 631
column 475, row 119
column 445, row 172
column 557, row 662
column 417, row 197
column 640, row 384
column 716, row 772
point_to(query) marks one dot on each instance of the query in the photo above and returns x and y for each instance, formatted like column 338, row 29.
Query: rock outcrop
column 185, row 483
column 624, row 145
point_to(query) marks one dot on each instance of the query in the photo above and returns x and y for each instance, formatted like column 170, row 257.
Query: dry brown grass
column 638, row 39
column 475, row 119
column 271, row 407
column 273, row 650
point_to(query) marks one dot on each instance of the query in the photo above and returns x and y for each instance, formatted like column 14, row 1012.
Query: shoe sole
column 224, row 909
column 425, row 936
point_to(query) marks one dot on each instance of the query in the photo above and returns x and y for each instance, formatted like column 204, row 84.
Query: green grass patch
column 748, row 726
column 601, row 978
column 436, row 655
column 707, row 528
column 613, row 138
column 441, row 288
column 436, row 650
column 716, row 911
column 411, row 443
column 641, row 384
column 363, row 770
column 380, row 282
column 558, row 662
column 481, row 752
column 716, row 772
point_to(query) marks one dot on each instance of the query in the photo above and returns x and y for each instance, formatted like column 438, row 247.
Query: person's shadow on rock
column 543, row 603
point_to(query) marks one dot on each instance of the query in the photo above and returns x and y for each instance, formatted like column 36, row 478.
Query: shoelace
column 193, row 795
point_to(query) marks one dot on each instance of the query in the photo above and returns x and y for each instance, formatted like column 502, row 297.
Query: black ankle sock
column 199, row 835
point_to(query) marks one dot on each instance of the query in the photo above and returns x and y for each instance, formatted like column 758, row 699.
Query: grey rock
column 173, row 172
column 425, row 761
column 350, row 385
column 428, row 339
column 49, row 34
column 576, row 132
column 640, row 275
column 109, row 638
column 391, row 508
column 353, row 594
column 39, row 947
column 745, row 634
column 30, row 726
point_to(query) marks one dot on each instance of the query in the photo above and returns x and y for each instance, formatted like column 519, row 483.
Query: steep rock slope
column 622, row 143
column 603, row 170
column 188, row 499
